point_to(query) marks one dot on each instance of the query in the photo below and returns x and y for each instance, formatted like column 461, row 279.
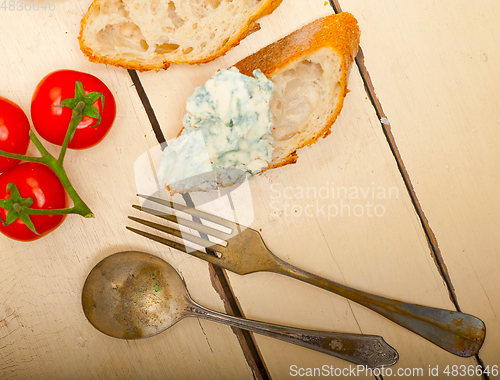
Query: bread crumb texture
column 309, row 69
column 152, row 34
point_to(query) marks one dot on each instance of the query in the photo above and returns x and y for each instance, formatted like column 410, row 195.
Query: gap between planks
column 431, row 238
column 386, row 127
column 218, row 275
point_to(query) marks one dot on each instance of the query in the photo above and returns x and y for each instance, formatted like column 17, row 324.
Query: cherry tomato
column 52, row 121
column 39, row 182
column 14, row 132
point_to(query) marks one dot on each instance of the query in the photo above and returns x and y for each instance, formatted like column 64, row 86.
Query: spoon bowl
column 132, row 295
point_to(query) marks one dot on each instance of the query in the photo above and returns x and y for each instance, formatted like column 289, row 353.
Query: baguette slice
column 152, row 34
column 309, row 69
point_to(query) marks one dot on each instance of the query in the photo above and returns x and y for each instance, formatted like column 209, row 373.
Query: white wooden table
column 411, row 169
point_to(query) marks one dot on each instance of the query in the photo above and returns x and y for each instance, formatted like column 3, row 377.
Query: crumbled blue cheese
column 185, row 161
column 231, row 110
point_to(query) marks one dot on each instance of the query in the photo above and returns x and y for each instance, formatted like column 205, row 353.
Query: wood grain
column 342, row 212
column 43, row 331
column 444, row 111
column 387, row 254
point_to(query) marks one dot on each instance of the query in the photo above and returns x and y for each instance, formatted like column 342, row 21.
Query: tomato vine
column 19, row 207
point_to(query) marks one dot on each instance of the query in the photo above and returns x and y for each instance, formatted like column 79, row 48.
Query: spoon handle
column 366, row 350
column 456, row 332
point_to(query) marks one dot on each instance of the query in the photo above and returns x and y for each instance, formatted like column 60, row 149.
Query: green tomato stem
column 76, row 118
column 79, row 206
column 38, row 145
column 21, row 156
column 56, row 211
column 56, row 165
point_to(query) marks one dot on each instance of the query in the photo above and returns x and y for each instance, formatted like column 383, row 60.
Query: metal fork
column 245, row 252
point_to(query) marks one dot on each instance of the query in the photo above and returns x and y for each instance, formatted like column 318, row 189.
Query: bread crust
column 338, row 32
column 247, row 28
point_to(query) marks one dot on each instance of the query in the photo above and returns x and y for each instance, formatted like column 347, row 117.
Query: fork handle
column 365, row 350
column 456, row 332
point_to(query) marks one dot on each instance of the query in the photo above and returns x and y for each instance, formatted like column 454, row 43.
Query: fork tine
column 185, row 222
column 177, row 233
column 194, row 212
column 179, row 246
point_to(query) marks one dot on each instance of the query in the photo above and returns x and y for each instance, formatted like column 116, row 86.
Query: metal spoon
column 134, row 295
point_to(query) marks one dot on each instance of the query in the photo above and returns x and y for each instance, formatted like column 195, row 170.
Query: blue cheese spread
column 230, row 112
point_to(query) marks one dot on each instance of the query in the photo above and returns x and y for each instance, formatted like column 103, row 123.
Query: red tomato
column 39, row 182
column 14, row 132
column 52, row 122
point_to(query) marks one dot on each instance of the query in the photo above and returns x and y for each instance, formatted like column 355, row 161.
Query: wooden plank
column 43, row 331
column 434, row 67
column 386, row 254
